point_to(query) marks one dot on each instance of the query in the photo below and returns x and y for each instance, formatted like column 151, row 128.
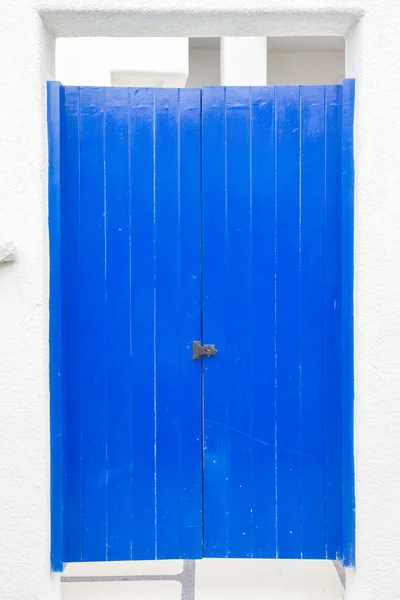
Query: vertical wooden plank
column 238, row 419
column 214, row 298
column 313, row 320
column 72, row 323
column 177, row 404
column 238, row 314
column 347, row 323
column 190, row 409
column 168, row 425
column 55, row 109
column 288, row 440
column 94, row 350
column 143, row 332
column 118, row 313
column 133, row 310
column 261, row 321
column 332, row 301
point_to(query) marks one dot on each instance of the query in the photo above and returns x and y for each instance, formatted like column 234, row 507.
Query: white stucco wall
column 27, row 30
column 305, row 68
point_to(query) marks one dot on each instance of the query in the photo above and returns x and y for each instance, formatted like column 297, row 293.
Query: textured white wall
column 121, row 61
column 26, row 54
column 305, row 68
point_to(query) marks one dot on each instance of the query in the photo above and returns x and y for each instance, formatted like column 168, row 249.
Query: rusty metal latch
column 206, row 350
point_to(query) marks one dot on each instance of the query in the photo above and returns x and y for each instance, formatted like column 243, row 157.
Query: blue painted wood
column 72, row 322
column 347, row 324
column 314, row 352
column 57, row 416
column 287, row 323
column 131, row 311
column 214, row 301
column 333, row 178
column 272, row 293
column 262, row 331
column 136, row 276
column 189, row 325
column 239, row 230
column 168, row 309
column 118, row 325
column 142, row 224
column 177, row 319
column 94, row 325
column 238, row 306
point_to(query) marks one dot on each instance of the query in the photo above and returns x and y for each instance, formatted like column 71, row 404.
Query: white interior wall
column 305, row 68
column 157, row 62
column 151, row 79
column 204, row 67
column 243, row 60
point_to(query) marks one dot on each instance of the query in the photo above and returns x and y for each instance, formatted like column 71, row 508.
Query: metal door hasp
column 206, row 350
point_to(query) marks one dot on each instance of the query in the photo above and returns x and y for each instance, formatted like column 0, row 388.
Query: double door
column 214, row 216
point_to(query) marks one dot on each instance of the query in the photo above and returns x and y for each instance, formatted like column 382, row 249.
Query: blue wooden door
column 222, row 216
column 277, row 304
column 130, row 260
